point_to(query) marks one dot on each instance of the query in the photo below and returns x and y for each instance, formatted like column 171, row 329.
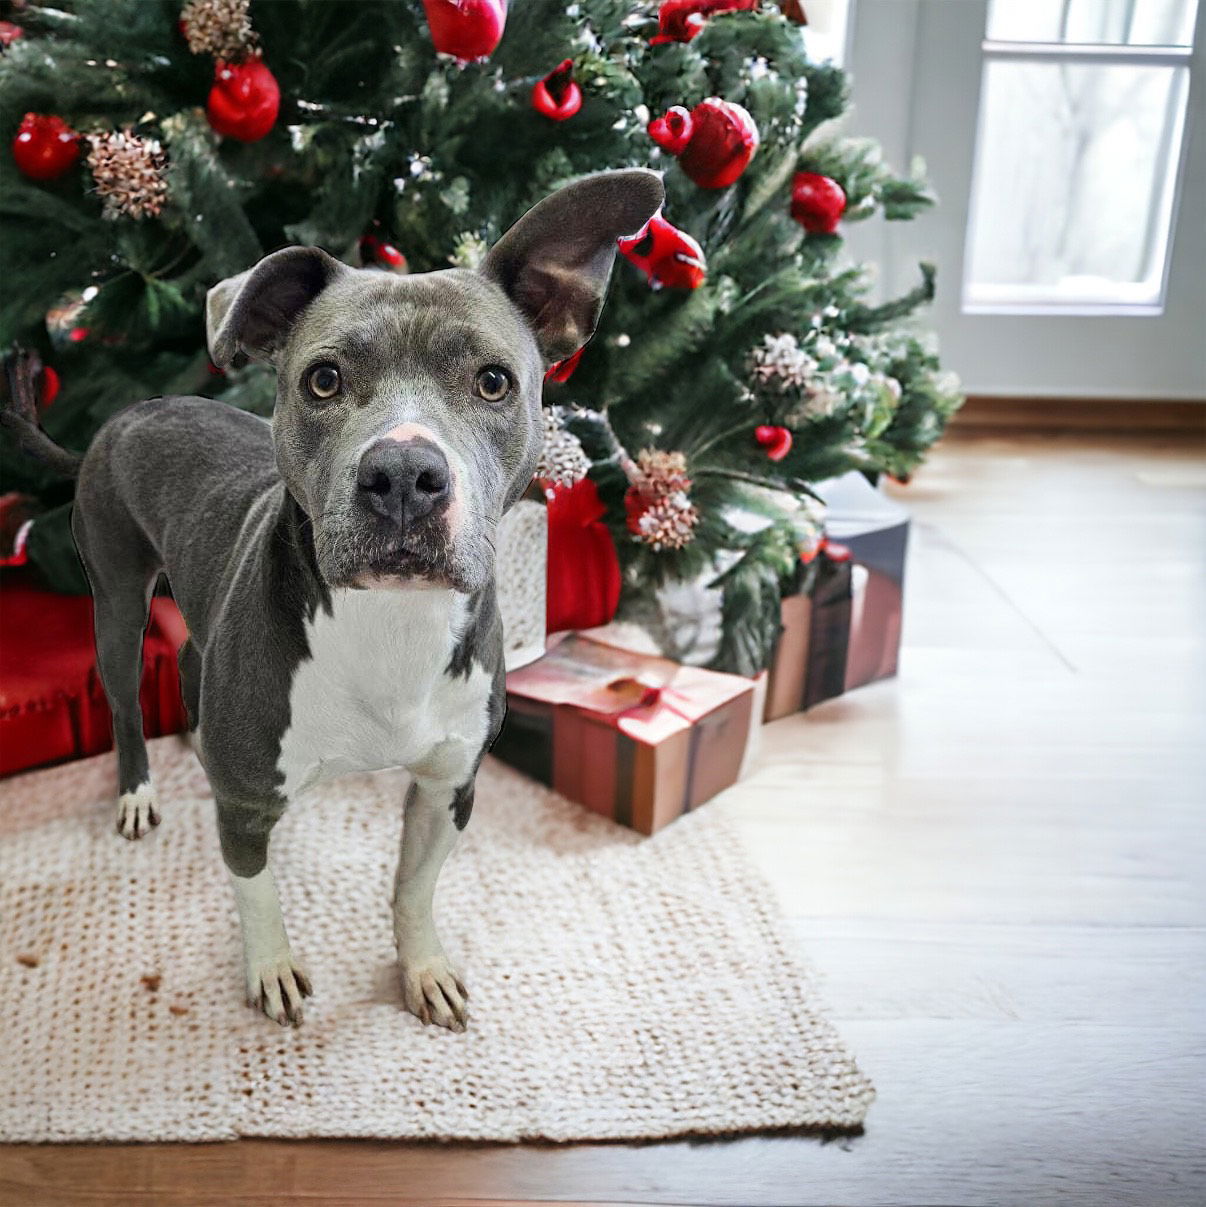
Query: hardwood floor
column 997, row 863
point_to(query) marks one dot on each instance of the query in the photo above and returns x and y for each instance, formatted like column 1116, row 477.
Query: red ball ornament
column 562, row 370
column 45, row 146
column 776, row 441
column 681, row 20
column 376, row 253
column 666, row 255
column 558, row 96
column 48, row 387
column 9, row 33
column 714, row 142
column 817, row 202
column 466, row 29
column 244, row 101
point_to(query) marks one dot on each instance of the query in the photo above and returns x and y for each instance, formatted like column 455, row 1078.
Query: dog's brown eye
column 493, row 383
column 323, row 381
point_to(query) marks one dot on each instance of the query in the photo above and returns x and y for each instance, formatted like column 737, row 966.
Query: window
column 1082, row 117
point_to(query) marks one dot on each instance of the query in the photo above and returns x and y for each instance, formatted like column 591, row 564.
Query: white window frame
column 1164, row 216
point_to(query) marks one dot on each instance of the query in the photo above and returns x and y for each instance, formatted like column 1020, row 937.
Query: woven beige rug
column 621, row 987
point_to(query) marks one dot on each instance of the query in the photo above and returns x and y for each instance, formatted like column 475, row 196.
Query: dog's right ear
column 253, row 312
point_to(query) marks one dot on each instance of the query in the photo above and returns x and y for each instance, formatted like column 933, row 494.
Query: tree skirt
column 620, row 987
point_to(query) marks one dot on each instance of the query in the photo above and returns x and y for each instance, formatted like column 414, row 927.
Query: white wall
column 916, row 71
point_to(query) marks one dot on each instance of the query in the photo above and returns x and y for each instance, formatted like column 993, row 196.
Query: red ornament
column 714, row 142
column 9, row 33
column 672, row 131
column 635, row 506
column 466, row 29
column 558, row 96
column 681, row 20
column 562, row 370
column 666, row 255
column 776, row 441
column 45, row 146
column 376, row 253
column 817, row 202
column 244, row 101
column 48, row 387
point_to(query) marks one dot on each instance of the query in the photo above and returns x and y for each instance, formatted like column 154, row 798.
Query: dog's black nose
column 403, row 480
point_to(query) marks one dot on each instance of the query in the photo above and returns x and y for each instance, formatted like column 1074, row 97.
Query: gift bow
column 648, row 695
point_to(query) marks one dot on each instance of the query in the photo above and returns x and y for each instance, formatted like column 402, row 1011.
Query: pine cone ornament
column 660, row 513
column 667, row 523
column 563, row 462
column 219, row 27
column 128, row 174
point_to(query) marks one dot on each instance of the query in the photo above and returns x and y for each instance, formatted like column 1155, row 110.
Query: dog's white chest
column 374, row 692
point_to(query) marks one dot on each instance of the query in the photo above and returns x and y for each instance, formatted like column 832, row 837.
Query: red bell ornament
column 9, row 33
column 376, row 253
column 682, row 20
column 561, row 371
column 672, row 131
column 48, row 386
column 776, row 440
column 466, row 29
column 558, row 96
column 45, row 146
column 817, row 202
column 666, row 255
column 244, row 101
column 714, row 142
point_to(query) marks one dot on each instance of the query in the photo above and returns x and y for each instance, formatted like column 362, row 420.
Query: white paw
column 434, row 993
column 277, row 987
column 136, row 812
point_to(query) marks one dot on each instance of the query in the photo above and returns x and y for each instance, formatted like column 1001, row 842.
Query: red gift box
column 637, row 738
column 52, row 705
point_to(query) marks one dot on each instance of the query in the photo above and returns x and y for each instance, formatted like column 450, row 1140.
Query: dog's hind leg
column 122, row 577
column 431, row 987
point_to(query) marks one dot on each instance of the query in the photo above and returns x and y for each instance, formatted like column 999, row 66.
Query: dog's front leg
column 430, row 985
column 276, row 981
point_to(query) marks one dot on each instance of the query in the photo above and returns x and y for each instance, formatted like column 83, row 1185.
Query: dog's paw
column 434, row 993
column 277, row 987
column 136, row 812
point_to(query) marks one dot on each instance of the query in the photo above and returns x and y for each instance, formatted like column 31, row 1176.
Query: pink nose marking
column 408, row 431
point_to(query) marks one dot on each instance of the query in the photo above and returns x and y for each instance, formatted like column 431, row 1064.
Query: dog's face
column 408, row 407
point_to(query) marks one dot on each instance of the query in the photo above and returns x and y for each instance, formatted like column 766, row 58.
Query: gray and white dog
column 335, row 568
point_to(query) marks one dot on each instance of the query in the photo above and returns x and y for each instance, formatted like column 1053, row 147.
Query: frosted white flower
column 562, row 458
column 468, row 251
column 780, row 360
column 860, row 374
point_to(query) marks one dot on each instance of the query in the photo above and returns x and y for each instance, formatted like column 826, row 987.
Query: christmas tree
column 157, row 149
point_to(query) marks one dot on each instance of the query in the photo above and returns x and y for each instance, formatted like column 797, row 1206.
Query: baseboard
column 1183, row 417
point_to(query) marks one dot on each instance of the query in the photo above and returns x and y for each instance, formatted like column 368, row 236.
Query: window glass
column 1073, row 183
column 1107, row 22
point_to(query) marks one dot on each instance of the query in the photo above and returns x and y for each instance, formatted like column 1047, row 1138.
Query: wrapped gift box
column 632, row 736
column 842, row 621
column 52, row 705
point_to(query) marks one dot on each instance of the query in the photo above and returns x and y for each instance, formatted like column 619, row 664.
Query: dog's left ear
column 555, row 261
